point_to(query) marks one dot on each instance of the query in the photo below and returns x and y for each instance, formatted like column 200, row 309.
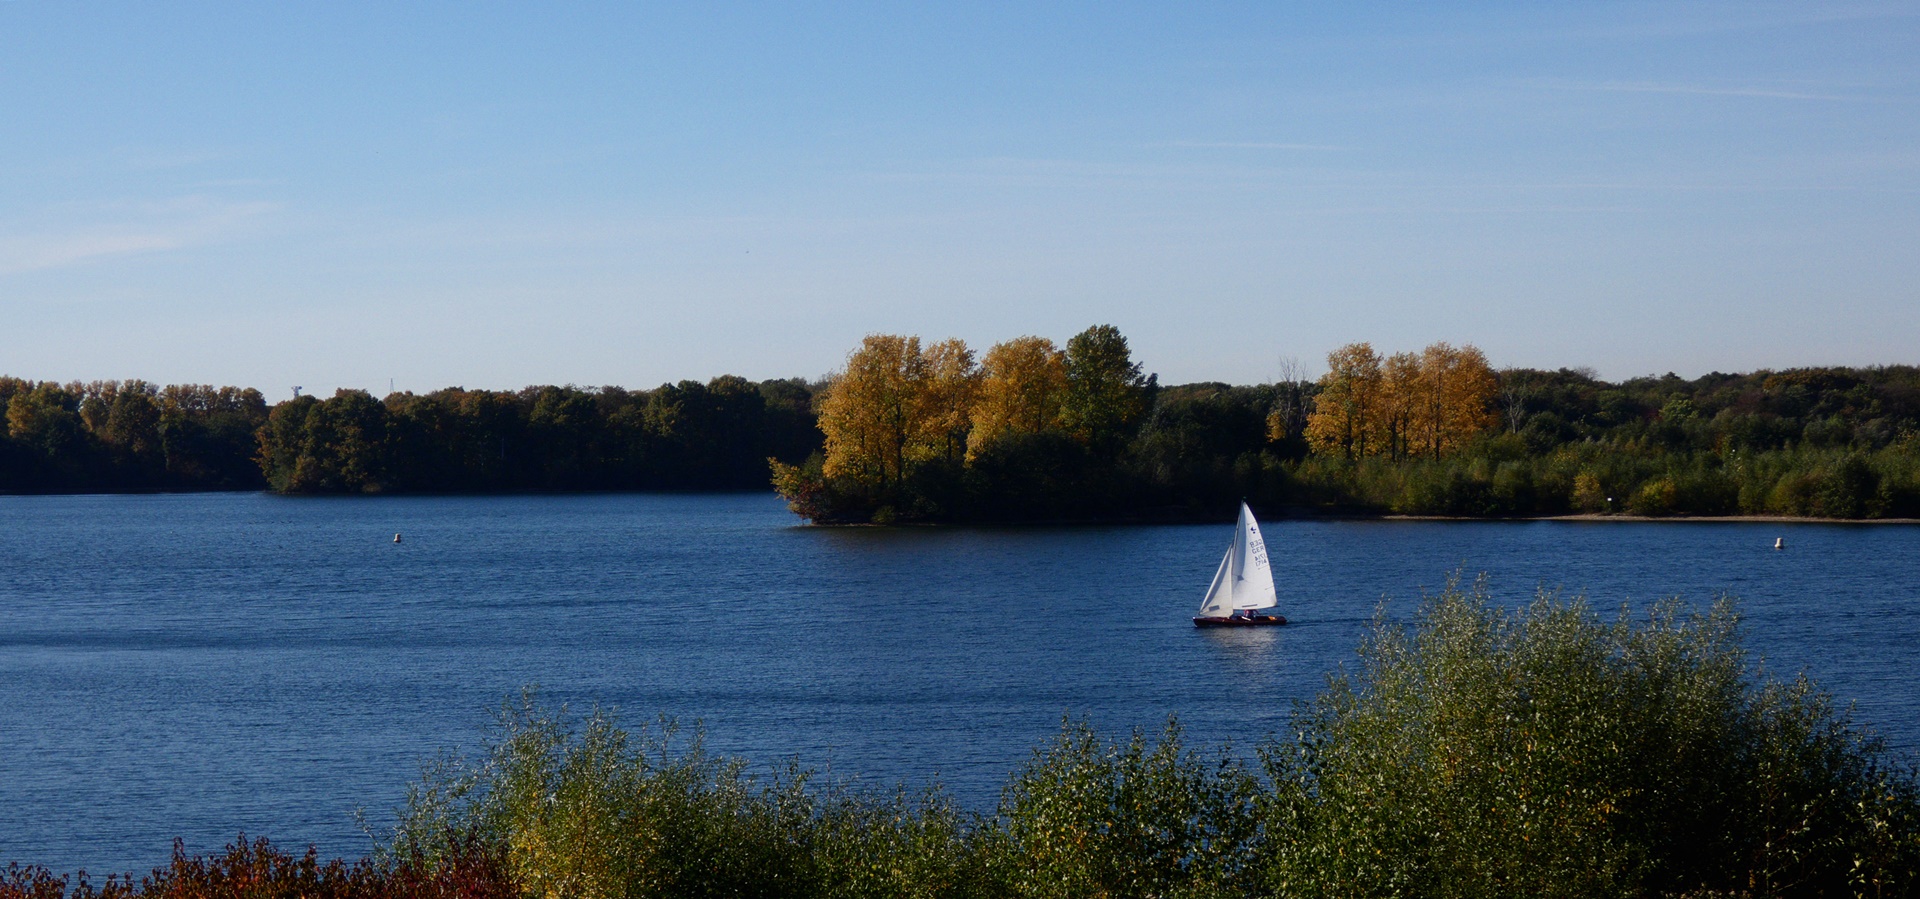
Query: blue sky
column 494, row 195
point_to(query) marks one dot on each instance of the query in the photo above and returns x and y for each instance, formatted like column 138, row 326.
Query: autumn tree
column 1394, row 413
column 1345, row 414
column 946, row 402
column 895, row 406
column 1106, row 394
column 1426, row 404
column 1023, row 390
column 1453, row 397
column 867, row 411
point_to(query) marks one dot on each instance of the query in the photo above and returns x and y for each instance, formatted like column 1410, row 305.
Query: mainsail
column 1243, row 580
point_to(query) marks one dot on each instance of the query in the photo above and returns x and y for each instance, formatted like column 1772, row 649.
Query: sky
column 489, row 195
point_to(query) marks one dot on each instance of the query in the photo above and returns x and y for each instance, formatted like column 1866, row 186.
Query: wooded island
column 1032, row 431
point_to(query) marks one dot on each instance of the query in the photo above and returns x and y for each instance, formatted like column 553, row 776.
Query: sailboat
column 1243, row 583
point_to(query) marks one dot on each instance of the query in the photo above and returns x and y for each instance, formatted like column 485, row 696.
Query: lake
column 202, row 665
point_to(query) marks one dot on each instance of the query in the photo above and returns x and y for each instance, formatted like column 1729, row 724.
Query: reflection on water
column 1247, row 651
column 202, row 665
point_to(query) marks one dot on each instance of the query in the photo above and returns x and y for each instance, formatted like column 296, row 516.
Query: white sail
column 1244, row 580
column 1254, row 589
column 1218, row 602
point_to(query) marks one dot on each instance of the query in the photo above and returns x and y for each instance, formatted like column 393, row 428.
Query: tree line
column 684, row 436
column 132, row 436
column 1823, row 442
column 1036, row 432
column 118, row 436
column 1032, row 430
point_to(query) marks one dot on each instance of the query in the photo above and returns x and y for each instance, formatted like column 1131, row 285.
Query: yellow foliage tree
column 868, row 411
column 1346, row 416
column 1453, row 400
column 947, row 402
column 1426, row 404
column 1395, row 412
column 1022, row 390
column 896, row 405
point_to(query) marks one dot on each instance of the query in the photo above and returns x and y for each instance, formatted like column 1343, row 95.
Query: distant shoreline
column 1595, row 516
column 1273, row 515
column 1164, row 517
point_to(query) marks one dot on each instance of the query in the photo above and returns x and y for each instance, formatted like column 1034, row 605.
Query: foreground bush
column 469, row 869
column 589, row 809
column 1544, row 752
column 1091, row 818
column 1473, row 752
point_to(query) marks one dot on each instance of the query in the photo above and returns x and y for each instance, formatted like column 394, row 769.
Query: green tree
column 46, row 418
column 564, row 425
column 133, row 420
column 337, row 445
column 286, row 450
column 711, row 436
column 1106, row 396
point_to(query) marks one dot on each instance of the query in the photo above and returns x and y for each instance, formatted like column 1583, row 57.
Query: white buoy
column 1778, row 542
column 396, row 539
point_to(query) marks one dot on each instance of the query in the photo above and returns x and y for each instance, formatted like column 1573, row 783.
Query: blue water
column 198, row 666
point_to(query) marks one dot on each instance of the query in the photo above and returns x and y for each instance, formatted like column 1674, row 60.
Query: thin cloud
column 229, row 183
column 35, row 253
column 1665, row 21
column 174, row 225
column 1244, row 145
column 1705, row 90
column 145, row 161
column 1618, row 23
column 1072, row 173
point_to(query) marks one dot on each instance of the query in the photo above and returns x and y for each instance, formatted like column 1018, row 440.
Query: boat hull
column 1250, row 621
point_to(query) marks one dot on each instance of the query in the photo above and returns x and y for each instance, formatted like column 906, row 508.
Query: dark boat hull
column 1251, row 621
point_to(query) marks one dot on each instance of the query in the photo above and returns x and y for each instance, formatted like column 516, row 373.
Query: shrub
column 1849, row 489
column 1092, row 818
column 594, row 811
column 1544, row 752
column 1655, row 497
column 258, row 870
column 1588, row 495
column 588, row 809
